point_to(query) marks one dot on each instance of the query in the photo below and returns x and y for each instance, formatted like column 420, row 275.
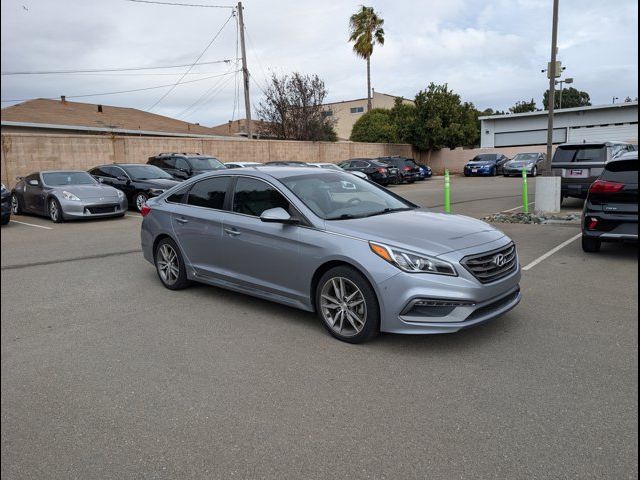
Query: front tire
column 591, row 245
column 534, row 172
column 139, row 200
column 55, row 211
column 170, row 265
column 347, row 305
column 16, row 209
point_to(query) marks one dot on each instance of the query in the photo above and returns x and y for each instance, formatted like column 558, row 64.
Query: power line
column 206, row 97
column 121, row 91
column 192, row 65
column 181, row 4
column 121, row 69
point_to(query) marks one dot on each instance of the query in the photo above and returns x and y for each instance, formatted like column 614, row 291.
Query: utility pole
column 546, row 168
column 245, row 73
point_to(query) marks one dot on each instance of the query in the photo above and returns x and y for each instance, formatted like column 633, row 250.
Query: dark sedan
column 611, row 210
column 487, row 164
column 375, row 170
column 138, row 182
column 6, row 205
column 530, row 161
column 408, row 170
column 425, row 171
column 286, row 163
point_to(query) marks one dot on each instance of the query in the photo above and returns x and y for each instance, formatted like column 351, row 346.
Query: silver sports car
column 66, row 195
column 364, row 258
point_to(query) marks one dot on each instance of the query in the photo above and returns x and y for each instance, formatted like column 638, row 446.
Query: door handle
column 182, row 220
column 232, row 231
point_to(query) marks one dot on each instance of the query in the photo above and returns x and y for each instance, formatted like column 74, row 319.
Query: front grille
column 492, row 307
column 489, row 267
column 102, row 209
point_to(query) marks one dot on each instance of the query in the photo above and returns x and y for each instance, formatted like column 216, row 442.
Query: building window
column 327, row 113
column 357, row 109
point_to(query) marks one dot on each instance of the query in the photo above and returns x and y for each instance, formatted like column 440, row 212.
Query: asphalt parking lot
column 106, row 374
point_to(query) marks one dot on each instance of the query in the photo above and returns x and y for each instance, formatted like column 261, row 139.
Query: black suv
column 408, row 169
column 611, row 211
column 376, row 171
column 138, row 181
column 185, row 165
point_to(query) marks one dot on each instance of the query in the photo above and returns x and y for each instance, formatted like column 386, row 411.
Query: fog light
column 441, row 303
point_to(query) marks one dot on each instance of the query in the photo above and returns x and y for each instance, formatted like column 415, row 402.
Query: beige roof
column 236, row 127
column 56, row 112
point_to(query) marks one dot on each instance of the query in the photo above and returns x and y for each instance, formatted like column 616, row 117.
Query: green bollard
column 447, row 192
column 525, row 191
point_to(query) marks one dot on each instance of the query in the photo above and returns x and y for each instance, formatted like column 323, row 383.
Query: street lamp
column 561, row 82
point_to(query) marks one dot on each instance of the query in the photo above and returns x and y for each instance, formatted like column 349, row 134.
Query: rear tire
column 591, row 245
column 139, row 200
column 170, row 265
column 347, row 305
column 16, row 208
column 534, row 172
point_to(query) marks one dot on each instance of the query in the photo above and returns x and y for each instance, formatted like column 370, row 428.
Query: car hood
column 163, row 183
column 521, row 164
column 84, row 192
column 419, row 230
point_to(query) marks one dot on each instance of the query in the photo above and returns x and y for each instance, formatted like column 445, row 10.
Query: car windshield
column 145, row 172
column 623, row 171
column 206, row 163
column 58, row 179
column 579, row 153
column 525, row 157
column 488, row 157
column 340, row 196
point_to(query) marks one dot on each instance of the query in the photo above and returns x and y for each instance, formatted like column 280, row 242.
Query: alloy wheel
column 54, row 211
column 141, row 199
column 168, row 265
column 15, row 206
column 343, row 306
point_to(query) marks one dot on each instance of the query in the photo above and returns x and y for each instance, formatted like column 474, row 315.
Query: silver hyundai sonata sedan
column 365, row 259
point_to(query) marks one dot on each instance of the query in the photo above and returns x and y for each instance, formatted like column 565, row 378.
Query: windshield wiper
column 344, row 216
column 390, row 210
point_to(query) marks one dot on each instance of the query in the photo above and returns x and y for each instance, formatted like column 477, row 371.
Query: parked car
column 580, row 164
column 610, row 212
column 5, row 196
column 362, row 257
column 285, row 163
column 486, row 164
column 374, row 170
column 185, row 165
column 66, row 195
column 425, row 171
column 241, row 164
column 407, row 170
column 333, row 166
column 530, row 161
column 139, row 182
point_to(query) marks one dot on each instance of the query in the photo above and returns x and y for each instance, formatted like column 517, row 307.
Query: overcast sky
column 490, row 52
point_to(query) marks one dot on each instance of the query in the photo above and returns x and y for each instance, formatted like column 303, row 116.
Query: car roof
column 579, row 144
column 58, row 171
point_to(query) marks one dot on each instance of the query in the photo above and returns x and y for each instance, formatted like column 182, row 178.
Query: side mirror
column 100, row 179
column 122, row 179
column 278, row 215
column 33, row 183
column 19, row 179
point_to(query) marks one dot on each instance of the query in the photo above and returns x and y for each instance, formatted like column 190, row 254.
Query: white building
column 616, row 122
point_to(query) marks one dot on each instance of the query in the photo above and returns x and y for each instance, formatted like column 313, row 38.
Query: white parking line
column 516, row 208
column 551, row 252
column 134, row 216
column 32, row 225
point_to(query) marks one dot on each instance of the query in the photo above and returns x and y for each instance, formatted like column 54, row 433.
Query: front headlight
column 70, row 196
column 412, row 262
column 120, row 194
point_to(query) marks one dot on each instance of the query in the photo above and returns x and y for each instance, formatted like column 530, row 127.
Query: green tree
column 523, row 106
column 375, row 126
column 442, row 120
column 571, row 97
column 365, row 30
column 403, row 116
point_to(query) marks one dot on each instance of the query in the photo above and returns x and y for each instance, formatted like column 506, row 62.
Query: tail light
column 602, row 186
column 145, row 210
column 406, row 169
column 592, row 223
column 382, row 170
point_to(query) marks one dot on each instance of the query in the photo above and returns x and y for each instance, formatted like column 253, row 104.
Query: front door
column 34, row 194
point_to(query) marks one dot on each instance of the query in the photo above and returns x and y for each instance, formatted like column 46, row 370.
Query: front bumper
column 481, row 171
column 613, row 228
column 477, row 302
column 74, row 210
column 517, row 171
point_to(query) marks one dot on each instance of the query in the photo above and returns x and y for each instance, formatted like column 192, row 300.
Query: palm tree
column 365, row 30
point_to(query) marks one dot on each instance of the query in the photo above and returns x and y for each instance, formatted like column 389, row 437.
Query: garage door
column 530, row 137
column 626, row 132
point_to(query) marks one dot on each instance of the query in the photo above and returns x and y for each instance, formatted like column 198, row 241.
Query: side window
column 168, row 162
column 182, row 164
column 252, row 197
column 344, row 164
column 360, row 164
column 101, row 172
column 32, row 177
column 115, row 172
column 209, row 193
column 180, row 196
